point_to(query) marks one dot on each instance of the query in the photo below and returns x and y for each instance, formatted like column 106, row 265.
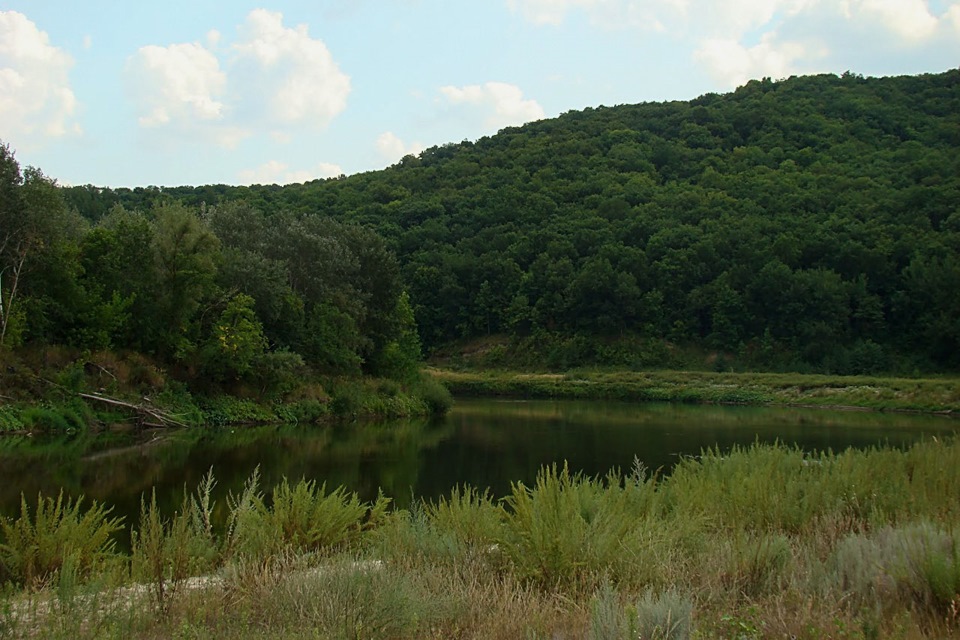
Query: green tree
column 33, row 220
column 236, row 341
column 186, row 254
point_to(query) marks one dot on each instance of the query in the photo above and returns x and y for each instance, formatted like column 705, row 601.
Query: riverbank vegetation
column 61, row 390
column 858, row 544
column 941, row 394
column 183, row 316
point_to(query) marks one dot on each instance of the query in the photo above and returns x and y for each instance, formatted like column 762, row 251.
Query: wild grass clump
column 302, row 517
column 873, row 553
column 165, row 552
column 471, row 516
column 59, row 533
column 667, row 615
column 569, row 529
column 780, row 488
column 755, row 564
column 917, row 563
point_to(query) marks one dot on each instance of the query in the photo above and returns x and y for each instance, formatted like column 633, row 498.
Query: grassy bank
column 877, row 393
column 59, row 390
column 764, row 542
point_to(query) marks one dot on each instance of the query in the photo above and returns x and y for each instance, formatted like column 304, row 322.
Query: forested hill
column 813, row 221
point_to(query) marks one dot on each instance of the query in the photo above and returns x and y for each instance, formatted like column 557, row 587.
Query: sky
column 127, row 94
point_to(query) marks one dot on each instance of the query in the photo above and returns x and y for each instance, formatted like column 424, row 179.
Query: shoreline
column 939, row 396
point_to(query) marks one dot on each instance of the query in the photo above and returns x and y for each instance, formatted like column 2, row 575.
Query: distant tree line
column 810, row 222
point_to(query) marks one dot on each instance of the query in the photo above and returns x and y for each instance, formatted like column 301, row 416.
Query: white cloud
column 392, row 148
column 180, row 84
column 36, row 101
column 732, row 64
column 295, row 75
column 276, row 172
column 735, row 40
column 272, row 79
column 909, row 19
column 498, row 103
column 952, row 17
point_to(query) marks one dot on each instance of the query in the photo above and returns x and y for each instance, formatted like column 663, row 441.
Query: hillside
column 809, row 223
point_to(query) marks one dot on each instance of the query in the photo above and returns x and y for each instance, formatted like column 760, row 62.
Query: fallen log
column 147, row 416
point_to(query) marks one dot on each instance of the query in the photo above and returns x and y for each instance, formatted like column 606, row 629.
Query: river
column 481, row 442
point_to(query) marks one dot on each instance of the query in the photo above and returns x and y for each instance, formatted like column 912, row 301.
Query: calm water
column 484, row 443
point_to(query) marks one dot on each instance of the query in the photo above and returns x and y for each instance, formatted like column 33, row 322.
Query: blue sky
column 173, row 93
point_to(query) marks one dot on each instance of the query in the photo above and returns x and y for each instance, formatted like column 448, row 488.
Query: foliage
column 434, row 570
column 803, row 224
column 167, row 552
column 58, row 532
column 236, row 343
column 568, row 529
column 301, row 518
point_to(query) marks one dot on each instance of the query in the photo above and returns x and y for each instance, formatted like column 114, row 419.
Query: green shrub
column 569, row 529
column 301, row 517
column 757, row 563
column 436, row 396
column 42, row 418
column 36, row 546
column 10, row 419
column 469, row 515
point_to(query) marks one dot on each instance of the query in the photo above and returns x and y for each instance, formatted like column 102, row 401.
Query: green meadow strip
column 860, row 392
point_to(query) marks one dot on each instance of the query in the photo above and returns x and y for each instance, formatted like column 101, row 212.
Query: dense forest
column 811, row 224
column 219, row 293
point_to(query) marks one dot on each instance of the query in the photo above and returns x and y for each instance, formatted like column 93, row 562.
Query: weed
column 36, row 546
column 569, row 528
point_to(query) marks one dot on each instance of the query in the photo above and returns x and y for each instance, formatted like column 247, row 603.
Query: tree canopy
column 813, row 220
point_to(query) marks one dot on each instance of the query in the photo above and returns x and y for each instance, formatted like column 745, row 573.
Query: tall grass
column 570, row 529
column 58, row 533
column 760, row 542
column 302, row 517
column 165, row 552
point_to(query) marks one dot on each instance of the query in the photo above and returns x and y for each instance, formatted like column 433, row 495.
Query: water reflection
column 485, row 443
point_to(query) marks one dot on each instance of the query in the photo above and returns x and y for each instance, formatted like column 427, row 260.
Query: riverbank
column 59, row 390
column 856, row 545
column 940, row 395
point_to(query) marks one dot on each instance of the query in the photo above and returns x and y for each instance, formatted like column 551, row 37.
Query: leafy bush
column 10, row 419
column 434, row 394
column 469, row 515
